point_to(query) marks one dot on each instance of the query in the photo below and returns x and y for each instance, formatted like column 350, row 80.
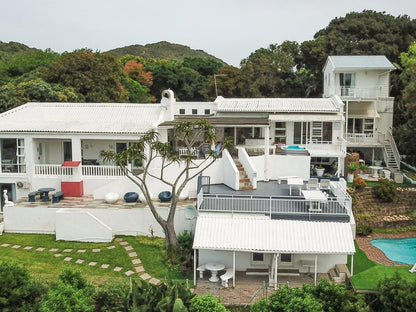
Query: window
column 280, row 132
column 360, row 125
column 257, row 258
column 12, row 155
column 182, row 111
column 285, row 258
column 207, row 112
column 194, row 111
column 67, row 151
column 347, row 84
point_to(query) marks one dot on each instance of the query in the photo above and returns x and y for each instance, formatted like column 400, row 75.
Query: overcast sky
column 227, row 29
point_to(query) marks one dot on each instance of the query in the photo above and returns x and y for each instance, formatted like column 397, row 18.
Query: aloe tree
column 157, row 157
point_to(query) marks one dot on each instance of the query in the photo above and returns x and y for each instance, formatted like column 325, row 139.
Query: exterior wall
column 243, row 260
column 283, row 166
column 21, row 219
column 200, row 108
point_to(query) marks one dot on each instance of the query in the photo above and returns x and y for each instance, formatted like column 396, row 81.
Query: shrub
column 206, row 303
column 112, row 297
column 385, row 190
column 18, row 291
column 364, row 230
column 359, row 184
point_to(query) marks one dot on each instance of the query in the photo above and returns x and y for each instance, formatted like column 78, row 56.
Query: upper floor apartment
column 357, row 76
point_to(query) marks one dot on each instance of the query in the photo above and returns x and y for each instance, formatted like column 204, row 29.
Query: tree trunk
column 171, row 239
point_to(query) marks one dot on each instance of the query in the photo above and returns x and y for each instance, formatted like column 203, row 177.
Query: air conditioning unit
column 22, row 184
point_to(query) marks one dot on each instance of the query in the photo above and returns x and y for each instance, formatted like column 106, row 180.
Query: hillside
column 9, row 49
column 161, row 50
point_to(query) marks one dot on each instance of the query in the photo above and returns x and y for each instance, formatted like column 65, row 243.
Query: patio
column 250, row 288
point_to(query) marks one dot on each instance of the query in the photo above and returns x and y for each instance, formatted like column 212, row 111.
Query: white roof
column 81, row 118
column 275, row 105
column 360, row 62
column 261, row 234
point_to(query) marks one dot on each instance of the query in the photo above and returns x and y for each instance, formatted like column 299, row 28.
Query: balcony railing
column 364, row 138
column 87, row 170
column 356, row 92
column 268, row 205
column 340, row 145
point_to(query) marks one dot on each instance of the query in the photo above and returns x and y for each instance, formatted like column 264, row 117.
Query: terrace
column 273, row 199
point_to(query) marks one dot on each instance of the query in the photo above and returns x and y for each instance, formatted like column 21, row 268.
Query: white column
column 76, row 149
column 275, row 271
column 233, row 268
column 352, row 265
column 266, row 152
column 316, row 268
column 194, row 266
column 346, row 118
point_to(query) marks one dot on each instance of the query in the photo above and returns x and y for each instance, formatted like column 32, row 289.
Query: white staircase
column 391, row 153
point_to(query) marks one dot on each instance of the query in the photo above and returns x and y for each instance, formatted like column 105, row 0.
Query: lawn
column 367, row 273
column 46, row 266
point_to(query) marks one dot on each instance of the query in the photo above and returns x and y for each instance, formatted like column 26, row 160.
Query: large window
column 360, row 125
column 280, row 132
column 13, row 155
column 347, row 83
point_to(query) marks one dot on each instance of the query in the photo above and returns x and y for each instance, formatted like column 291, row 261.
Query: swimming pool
column 294, row 147
column 399, row 250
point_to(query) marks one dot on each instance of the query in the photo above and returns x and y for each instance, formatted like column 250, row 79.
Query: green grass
column 367, row 273
column 47, row 267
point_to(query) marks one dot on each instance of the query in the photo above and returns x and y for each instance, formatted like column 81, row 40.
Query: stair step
column 333, row 273
column 246, row 188
column 244, row 180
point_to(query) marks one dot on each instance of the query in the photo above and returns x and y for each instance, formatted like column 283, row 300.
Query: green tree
column 204, row 66
column 96, row 76
column 397, row 294
column 18, row 291
column 158, row 156
column 187, row 83
column 72, row 293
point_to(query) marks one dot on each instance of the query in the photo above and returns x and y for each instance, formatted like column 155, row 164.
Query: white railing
column 111, row 171
column 53, row 170
column 340, row 145
column 58, row 170
column 394, row 148
column 268, row 205
column 354, row 92
column 339, row 189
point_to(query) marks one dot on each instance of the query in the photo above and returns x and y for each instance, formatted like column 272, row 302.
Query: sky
column 228, row 29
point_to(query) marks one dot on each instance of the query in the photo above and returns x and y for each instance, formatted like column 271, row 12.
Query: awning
column 362, row 110
column 305, row 117
column 260, row 234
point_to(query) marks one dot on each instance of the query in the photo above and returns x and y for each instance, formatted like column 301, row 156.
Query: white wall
column 283, row 165
column 243, row 260
column 139, row 221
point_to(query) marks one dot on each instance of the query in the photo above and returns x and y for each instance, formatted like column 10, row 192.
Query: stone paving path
column 375, row 254
column 137, row 263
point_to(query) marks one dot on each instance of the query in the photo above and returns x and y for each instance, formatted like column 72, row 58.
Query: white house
column 363, row 84
column 248, row 219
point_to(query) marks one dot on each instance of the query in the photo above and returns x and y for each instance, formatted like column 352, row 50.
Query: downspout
column 316, row 268
column 233, row 268
column 266, row 152
column 194, row 266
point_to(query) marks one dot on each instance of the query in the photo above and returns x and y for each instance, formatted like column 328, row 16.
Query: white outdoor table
column 375, row 170
column 214, row 268
column 294, row 182
column 315, row 195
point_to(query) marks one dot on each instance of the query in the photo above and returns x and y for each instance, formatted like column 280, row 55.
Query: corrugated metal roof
column 261, row 234
column 361, row 62
column 80, row 118
column 275, row 105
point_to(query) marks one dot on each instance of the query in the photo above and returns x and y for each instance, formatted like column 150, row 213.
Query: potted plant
column 319, row 170
column 351, row 169
column 363, row 171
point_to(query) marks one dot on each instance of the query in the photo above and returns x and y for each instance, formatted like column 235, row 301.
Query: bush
column 206, row 303
column 112, row 297
column 359, row 184
column 364, row 230
column 18, row 291
column 385, row 190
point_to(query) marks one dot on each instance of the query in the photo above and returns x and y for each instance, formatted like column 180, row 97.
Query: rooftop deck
column 274, row 200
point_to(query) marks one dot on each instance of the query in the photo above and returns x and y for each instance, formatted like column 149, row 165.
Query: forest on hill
column 138, row 74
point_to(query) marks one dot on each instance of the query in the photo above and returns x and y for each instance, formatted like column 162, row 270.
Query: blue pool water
column 399, row 250
column 294, row 147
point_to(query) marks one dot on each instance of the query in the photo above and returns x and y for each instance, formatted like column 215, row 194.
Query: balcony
column 364, row 139
column 357, row 92
column 272, row 199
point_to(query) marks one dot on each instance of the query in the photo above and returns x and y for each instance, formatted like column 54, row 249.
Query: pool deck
column 375, row 254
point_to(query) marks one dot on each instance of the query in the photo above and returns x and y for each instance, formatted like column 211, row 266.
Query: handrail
column 394, row 148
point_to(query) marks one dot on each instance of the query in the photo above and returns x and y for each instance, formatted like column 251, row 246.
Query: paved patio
column 249, row 289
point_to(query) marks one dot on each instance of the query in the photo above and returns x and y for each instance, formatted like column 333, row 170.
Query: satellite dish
column 190, row 212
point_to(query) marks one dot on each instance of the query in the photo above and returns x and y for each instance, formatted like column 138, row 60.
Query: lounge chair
column 413, row 269
column 324, row 184
column 313, row 184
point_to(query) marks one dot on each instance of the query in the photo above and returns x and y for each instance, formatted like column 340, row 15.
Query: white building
column 247, row 220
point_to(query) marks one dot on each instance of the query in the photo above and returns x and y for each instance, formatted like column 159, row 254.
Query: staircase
column 391, row 153
column 339, row 273
column 245, row 183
